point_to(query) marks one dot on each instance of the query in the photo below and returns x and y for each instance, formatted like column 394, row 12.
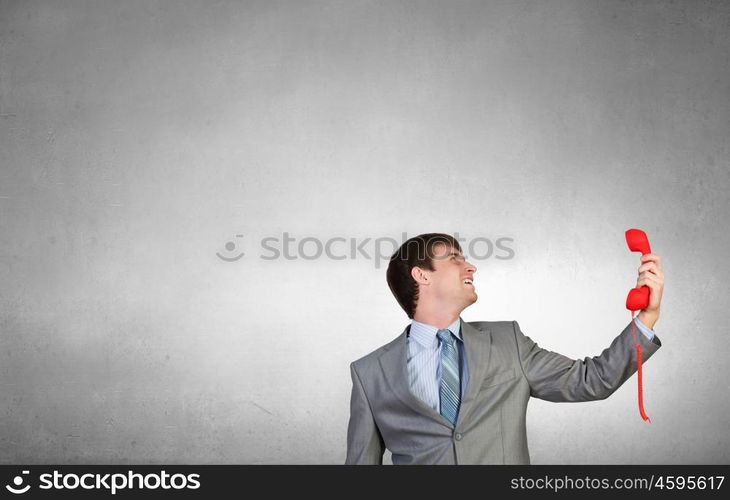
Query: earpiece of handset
column 638, row 298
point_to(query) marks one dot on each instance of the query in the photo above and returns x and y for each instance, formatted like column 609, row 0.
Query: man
column 450, row 392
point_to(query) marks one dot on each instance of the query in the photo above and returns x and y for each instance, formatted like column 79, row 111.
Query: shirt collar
column 426, row 334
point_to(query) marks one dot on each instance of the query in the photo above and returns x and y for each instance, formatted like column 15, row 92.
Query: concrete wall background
column 138, row 138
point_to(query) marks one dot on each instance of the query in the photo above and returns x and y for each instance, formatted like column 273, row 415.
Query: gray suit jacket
column 505, row 369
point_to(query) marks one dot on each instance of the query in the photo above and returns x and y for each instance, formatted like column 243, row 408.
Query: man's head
column 428, row 272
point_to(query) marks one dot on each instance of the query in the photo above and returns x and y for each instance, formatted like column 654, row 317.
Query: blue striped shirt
column 424, row 359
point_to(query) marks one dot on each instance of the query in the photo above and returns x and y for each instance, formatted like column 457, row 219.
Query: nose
column 471, row 268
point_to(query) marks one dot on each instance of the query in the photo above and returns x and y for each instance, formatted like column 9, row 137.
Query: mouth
column 469, row 282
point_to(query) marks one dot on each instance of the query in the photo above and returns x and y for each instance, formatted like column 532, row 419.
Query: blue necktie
column 450, row 390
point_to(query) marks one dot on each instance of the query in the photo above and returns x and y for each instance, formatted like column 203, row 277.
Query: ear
column 421, row 276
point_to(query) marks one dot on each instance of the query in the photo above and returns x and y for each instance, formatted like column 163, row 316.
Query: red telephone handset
column 638, row 299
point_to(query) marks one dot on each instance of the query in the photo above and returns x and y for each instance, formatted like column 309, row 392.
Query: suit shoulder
column 372, row 357
column 502, row 334
column 495, row 327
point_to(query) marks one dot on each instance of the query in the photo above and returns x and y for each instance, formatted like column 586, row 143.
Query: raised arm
column 554, row 377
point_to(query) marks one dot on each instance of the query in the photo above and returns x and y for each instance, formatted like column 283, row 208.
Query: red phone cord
column 638, row 364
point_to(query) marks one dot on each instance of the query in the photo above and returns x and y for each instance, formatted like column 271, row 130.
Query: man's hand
column 651, row 275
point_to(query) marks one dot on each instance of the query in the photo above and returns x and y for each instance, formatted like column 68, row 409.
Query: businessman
column 446, row 391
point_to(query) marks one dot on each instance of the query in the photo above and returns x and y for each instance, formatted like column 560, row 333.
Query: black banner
column 242, row 481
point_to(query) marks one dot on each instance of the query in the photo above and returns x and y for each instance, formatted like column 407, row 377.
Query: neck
column 440, row 319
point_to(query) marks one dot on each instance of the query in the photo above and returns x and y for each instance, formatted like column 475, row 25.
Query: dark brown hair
column 415, row 252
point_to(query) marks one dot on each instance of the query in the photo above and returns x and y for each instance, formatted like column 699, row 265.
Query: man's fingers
column 650, row 284
column 652, row 268
column 648, row 265
column 652, row 257
column 648, row 278
column 651, row 275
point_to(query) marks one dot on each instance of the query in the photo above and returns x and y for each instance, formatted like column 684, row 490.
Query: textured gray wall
column 137, row 139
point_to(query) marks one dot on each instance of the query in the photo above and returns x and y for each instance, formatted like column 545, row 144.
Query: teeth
column 469, row 282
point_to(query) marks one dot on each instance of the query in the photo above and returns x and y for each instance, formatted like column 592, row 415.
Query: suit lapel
column 393, row 362
column 478, row 345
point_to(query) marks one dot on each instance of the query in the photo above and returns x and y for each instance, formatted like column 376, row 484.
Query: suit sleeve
column 365, row 445
column 554, row 377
